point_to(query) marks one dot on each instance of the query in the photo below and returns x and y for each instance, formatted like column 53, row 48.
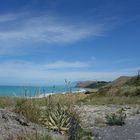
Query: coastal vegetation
column 91, row 84
column 117, row 118
column 58, row 112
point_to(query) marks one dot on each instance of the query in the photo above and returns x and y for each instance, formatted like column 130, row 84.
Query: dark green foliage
column 123, row 86
column 137, row 92
column 83, row 135
column 104, row 90
column 97, row 84
column 117, row 118
column 76, row 132
column 73, row 128
column 91, row 84
column 134, row 81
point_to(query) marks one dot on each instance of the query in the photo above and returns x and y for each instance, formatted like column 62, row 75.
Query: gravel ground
column 129, row 131
column 93, row 119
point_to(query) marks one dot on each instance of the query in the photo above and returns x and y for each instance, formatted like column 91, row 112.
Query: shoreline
column 33, row 92
column 47, row 94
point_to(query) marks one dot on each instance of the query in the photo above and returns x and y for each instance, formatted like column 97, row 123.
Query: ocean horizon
column 31, row 91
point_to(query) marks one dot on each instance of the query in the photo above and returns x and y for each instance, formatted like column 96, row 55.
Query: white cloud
column 49, row 66
column 47, row 29
column 63, row 64
column 20, row 32
column 22, row 72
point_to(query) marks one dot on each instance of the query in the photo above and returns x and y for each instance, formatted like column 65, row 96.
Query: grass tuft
column 117, row 118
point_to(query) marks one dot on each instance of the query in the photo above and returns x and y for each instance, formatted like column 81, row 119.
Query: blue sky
column 43, row 42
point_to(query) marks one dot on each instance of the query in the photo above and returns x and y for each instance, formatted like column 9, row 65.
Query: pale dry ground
column 129, row 131
column 94, row 115
column 93, row 119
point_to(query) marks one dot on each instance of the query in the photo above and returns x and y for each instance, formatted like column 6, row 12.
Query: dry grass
column 64, row 99
column 30, row 108
column 104, row 100
column 72, row 99
column 7, row 101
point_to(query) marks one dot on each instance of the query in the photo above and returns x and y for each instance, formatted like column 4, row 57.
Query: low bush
column 117, row 118
column 56, row 118
column 28, row 109
column 7, row 102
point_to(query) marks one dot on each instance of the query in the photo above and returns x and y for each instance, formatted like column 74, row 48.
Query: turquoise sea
column 31, row 91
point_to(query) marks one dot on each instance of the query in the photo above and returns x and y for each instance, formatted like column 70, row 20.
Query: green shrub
column 7, row 102
column 134, row 81
column 28, row 109
column 83, row 135
column 56, row 118
column 64, row 119
column 117, row 118
column 103, row 91
column 137, row 92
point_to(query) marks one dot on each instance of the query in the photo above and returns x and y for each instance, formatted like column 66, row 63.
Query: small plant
column 68, row 85
column 138, row 112
column 19, row 106
column 117, row 118
column 56, row 118
column 82, row 134
column 64, row 120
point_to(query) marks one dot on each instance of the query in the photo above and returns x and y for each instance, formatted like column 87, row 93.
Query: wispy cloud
column 7, row 18
column 18, row 31
column 123, row 60
column 19, row 64
column 64, row 64
column 47, row 29
column 24, row 72
column 20, row 71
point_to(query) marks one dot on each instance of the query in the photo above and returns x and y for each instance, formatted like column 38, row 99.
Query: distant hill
column 91, row 84
column 120, row 81
column 123, row 86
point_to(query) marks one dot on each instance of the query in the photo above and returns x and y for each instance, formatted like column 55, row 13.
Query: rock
column 13, row 125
